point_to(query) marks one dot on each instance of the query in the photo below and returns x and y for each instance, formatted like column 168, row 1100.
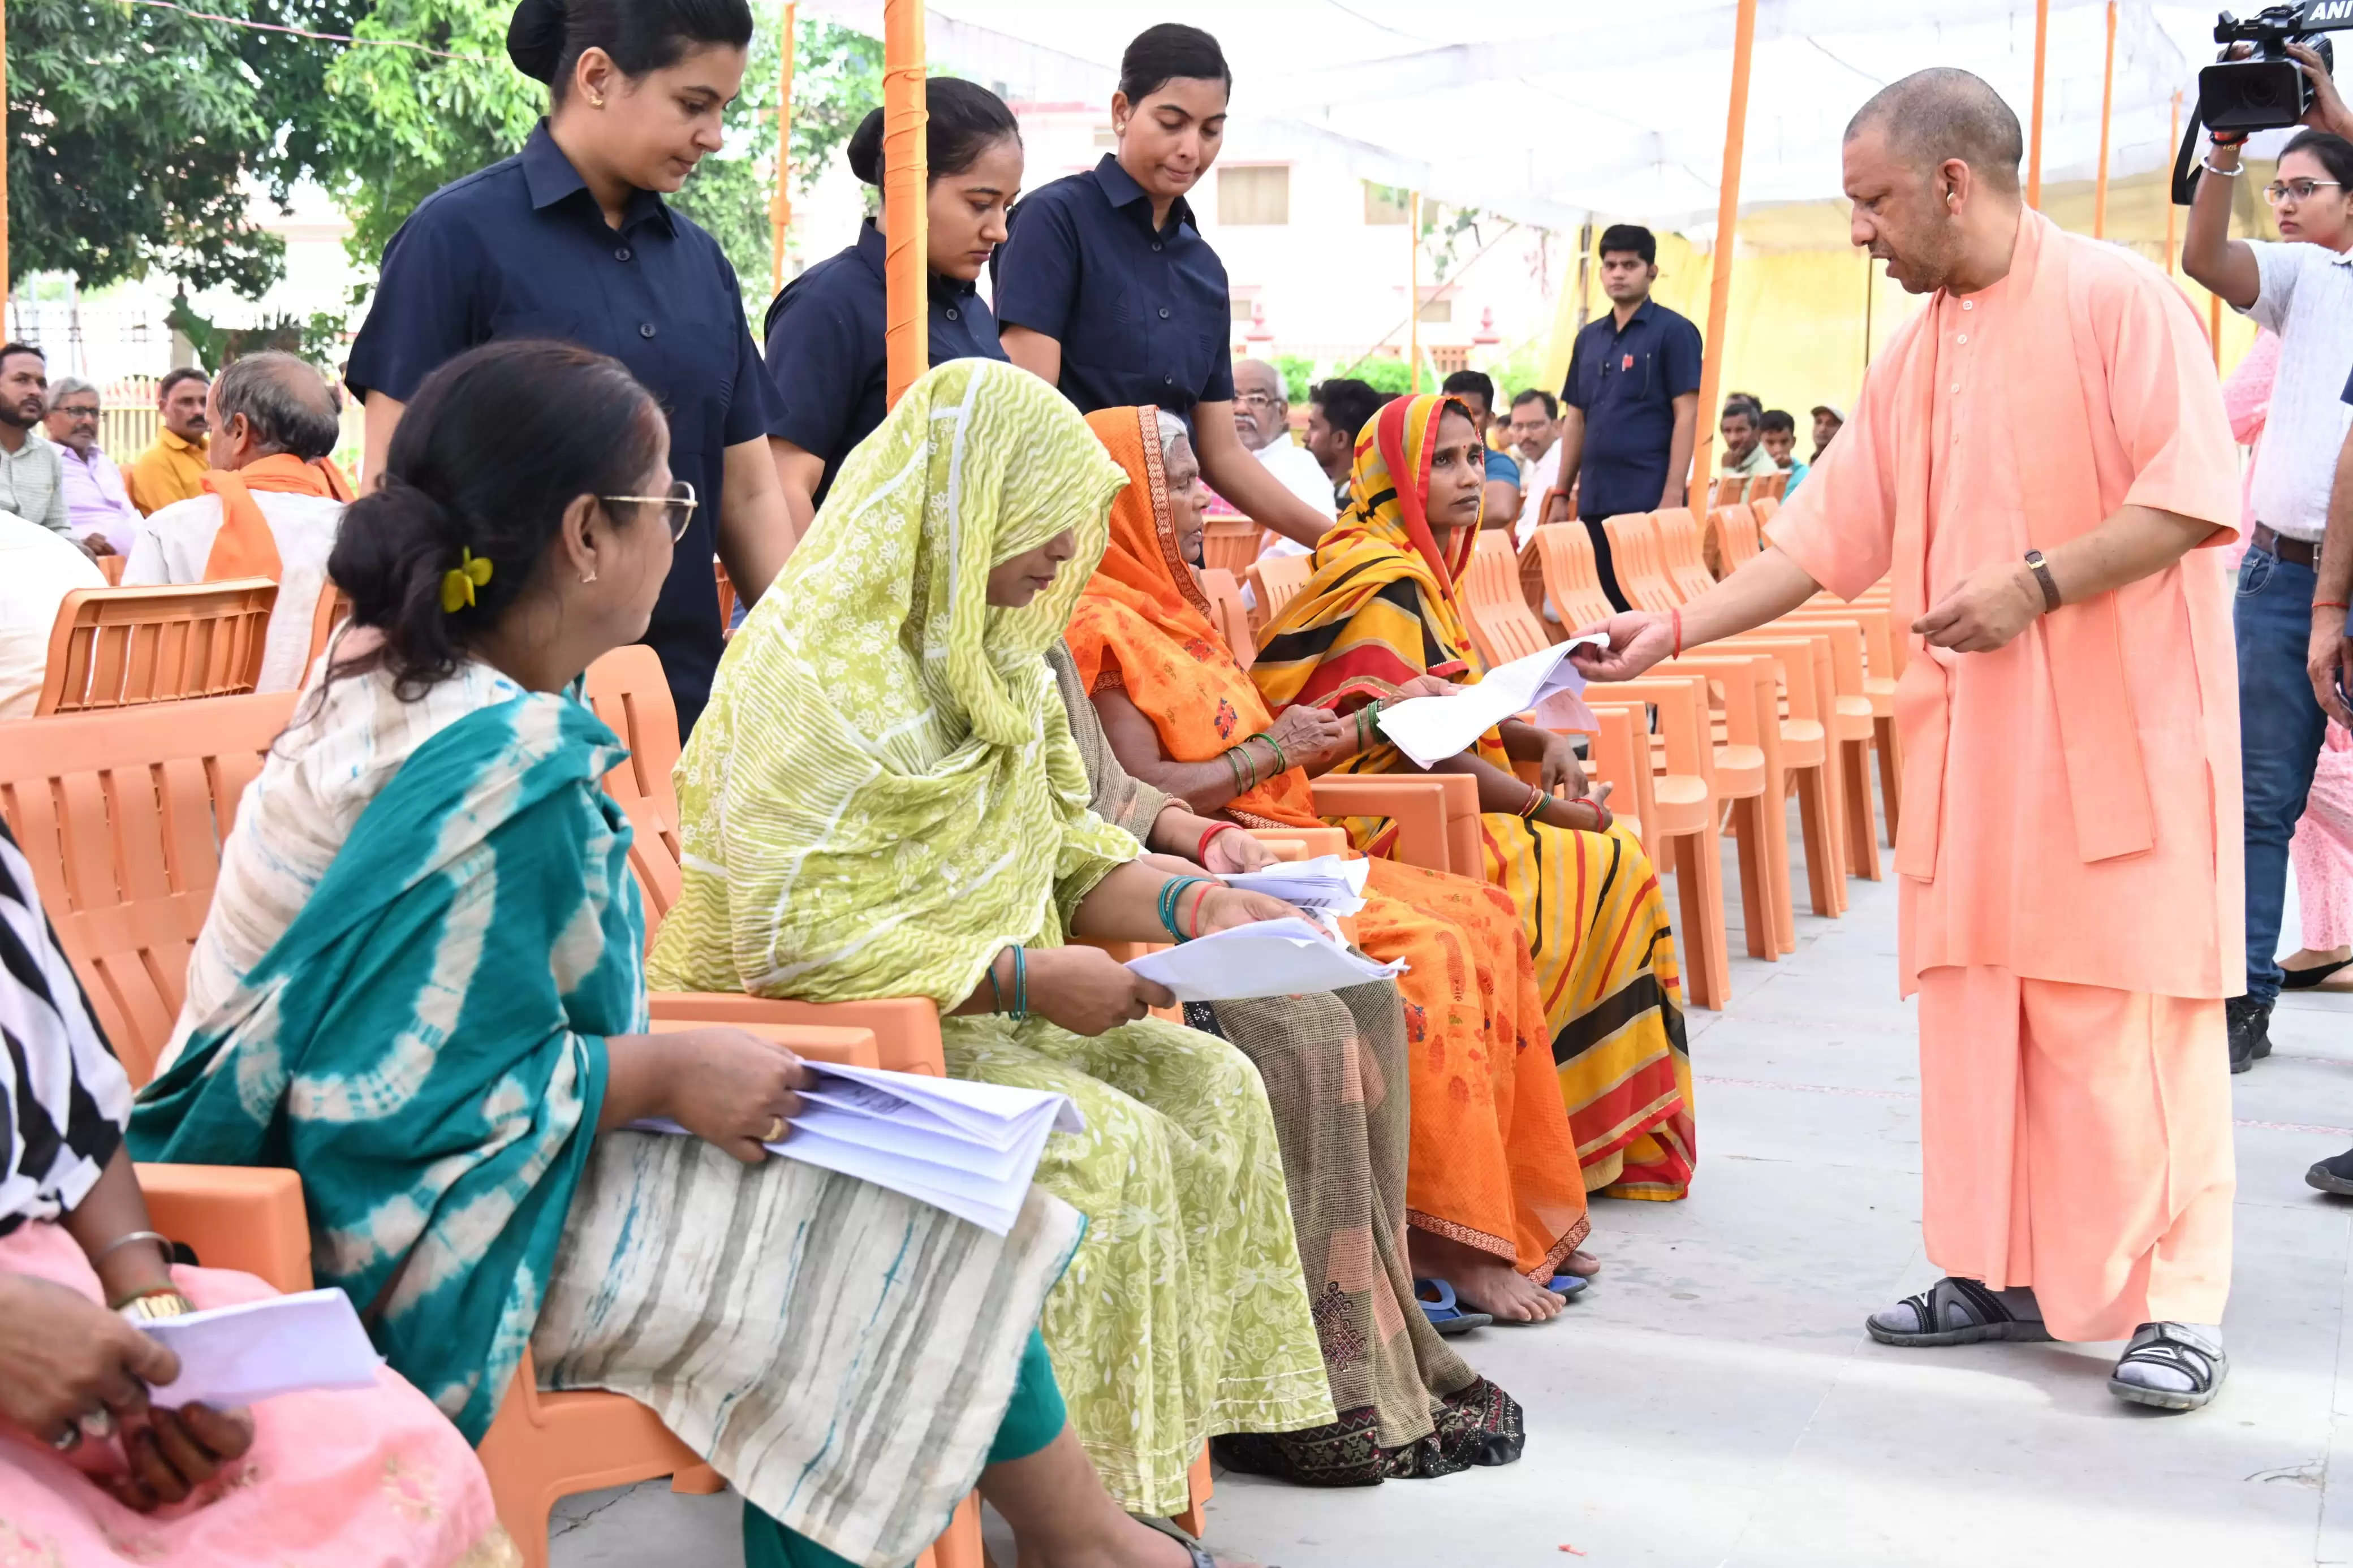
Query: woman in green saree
column 420, row 987
column 884, row 799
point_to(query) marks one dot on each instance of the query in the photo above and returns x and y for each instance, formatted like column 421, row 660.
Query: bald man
column 272, row 503
column 2039, row 465
column 1262, row 420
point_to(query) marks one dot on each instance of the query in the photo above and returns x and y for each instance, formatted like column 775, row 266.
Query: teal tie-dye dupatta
column 426, row 1044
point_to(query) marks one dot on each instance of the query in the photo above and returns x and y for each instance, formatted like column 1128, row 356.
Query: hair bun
column 535, row 38
column 866, row 148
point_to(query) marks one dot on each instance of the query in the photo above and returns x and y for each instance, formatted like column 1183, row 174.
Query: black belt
column 2302, row 551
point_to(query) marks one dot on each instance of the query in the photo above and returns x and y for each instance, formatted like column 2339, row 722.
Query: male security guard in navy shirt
column 1631, row 407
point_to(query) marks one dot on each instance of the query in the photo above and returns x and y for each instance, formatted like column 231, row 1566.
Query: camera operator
column 2300, row 286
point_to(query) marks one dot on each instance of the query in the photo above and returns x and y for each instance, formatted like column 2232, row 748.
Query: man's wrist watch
column 2050, row 585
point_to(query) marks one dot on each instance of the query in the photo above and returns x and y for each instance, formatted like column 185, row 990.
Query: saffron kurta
column 2070, row 800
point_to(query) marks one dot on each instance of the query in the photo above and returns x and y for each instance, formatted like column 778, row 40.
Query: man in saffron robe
column 2036, row 465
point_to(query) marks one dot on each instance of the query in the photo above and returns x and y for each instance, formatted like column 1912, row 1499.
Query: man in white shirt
column 1262, row 419
column 271, row 507
column 1536, row 431
column 38, row 568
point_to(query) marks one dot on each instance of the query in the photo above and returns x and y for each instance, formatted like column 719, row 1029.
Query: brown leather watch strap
column 2041, row 570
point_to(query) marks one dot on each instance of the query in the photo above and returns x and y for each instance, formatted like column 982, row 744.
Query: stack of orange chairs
column 1767, row 486
column 1732, row 539
column 1230, row 544
column 1273, row 580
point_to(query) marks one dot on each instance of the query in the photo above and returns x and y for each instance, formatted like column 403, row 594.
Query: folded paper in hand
column 966, row 1147
column 240, row 1354
column 1270, row 958
column 1431, row 729
column 1331, row 883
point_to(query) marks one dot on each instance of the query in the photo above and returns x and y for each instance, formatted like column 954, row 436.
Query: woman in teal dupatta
column 420, row 987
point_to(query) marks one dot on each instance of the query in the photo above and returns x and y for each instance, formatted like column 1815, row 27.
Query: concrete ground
column 1714, row 1401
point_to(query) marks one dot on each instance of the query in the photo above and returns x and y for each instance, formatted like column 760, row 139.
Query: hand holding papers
column 1431, row 729
column 966, row 1147
column 1271, row 958
column 1331, row 884
column 238, row 1355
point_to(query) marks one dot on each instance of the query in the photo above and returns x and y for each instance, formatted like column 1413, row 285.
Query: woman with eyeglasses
column 2300, row 286
column 571, row 239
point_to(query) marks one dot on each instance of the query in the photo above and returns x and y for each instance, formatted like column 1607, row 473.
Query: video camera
column 2266, row 88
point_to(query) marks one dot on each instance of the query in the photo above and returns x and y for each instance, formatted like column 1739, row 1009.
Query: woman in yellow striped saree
column 1381, row 612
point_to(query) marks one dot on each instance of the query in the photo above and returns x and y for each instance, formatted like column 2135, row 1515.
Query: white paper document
column 966, row 1147
column 1331, row 883
column 1271, row 958
column 1431, row 729
column 233, row 1356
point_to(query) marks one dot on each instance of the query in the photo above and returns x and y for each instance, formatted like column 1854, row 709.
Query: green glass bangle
column 1282, row 762
column 1021, row 985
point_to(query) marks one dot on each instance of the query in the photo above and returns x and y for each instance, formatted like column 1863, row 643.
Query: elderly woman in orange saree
column 1380, row 616
column 1492, row 1196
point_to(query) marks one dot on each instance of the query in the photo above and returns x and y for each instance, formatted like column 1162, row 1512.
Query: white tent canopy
column 1623, row 116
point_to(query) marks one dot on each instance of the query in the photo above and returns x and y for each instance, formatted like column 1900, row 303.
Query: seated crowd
column 981, row 722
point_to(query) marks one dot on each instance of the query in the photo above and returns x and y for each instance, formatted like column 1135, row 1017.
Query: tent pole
column 905, row 167
column 5, row 333
column 1868, row 290
column 780, row 211
column 2107, row 112
column 1727, row 224
column 2172, row 139
column 2035, row 153
column 1413, row 289
column 2214, row 327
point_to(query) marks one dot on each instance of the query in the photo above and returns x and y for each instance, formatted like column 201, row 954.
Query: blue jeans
column 2280, row 731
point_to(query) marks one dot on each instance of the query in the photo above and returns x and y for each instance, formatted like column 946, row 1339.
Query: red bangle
column 1206, row 889
column 1678, row 633
column 1201, row 851
column 2331, row 605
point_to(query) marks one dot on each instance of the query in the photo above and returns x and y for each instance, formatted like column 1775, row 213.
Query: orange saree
column 1493, row 1163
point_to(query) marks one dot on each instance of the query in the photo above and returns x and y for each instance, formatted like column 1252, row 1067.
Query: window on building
column 1242, row 311
column 1438, row 312
column 1448, row 358
column 1254, row 194
column 1386, row 204
column 1105, row 136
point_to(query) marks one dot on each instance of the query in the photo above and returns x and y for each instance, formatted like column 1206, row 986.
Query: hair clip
column 458, row 582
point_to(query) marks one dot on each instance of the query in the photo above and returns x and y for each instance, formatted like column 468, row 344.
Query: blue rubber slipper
column 1437, row 1300
column 1566, row 1285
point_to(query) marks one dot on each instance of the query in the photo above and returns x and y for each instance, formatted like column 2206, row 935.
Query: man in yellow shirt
column 172, row 466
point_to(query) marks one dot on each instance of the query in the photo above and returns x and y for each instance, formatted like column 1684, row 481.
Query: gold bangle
column 163, row 1301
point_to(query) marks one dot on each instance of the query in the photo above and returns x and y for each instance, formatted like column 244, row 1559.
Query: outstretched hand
column 1986, row 610
column 1638, row 640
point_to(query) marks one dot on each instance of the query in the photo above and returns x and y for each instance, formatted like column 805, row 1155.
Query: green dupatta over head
column 425, row 1045
column 883, row 792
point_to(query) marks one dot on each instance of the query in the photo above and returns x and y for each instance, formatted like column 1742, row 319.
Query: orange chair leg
column 1192, row 1521
column 1755, row 880
column 697, row 1481
column 960, row 1547
column 1699, row 885
column 1863, row 833
column 1821, row 829
column 1891, row 772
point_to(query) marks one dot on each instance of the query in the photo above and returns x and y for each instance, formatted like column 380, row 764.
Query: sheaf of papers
column 1271, row 958
column 968, row 1148
column 1431, row 729
column 1330, row 883
column 238, row 1355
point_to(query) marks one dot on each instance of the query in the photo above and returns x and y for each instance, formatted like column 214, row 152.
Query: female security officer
column 570, row 239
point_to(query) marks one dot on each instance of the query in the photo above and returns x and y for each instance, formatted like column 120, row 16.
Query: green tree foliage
column 131, row 131
column 1298, row 374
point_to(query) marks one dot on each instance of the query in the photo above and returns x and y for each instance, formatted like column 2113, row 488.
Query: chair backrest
column 1678, row 537
column 1227, row 613
column 1229, row 544
column 726, row 595
column 1572, row 580
column 1763, row 511
column 1502, row 625
column 121, row 816
column 1767, row 486
column 334, row 607
column 1634, row 555
column 1731, row 539
column 1729, row 488
column 110, row 568
column 118, row 648
column 1275, row 579
column 629, row 692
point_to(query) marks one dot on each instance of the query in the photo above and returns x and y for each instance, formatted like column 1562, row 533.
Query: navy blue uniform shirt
column 827, row 361
column 1627, row 382
column 521, row 250
column 1144, row 315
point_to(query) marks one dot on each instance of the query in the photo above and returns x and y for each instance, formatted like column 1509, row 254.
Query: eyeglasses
column 2279, row 191
column 1263, row 399
column 77, row 410
column 678, row 505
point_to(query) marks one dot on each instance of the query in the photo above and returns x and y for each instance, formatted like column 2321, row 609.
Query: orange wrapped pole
column 1719, row 289
column 2172, row 139
column 780, row 210
column 2034, row 137
column 3, row 172
column 2107, row 110
column 1413, row 291
column 2214, row 327
column 904, row 174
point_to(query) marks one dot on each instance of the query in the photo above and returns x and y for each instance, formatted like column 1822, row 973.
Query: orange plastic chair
column 1732, row 540
column 118, row 647
column 1750, row 779
column 1884, row 645
column 110, row 568
column 1641, row 571
column 1502, row 625
column 1853, row 726
column 1229, row 544
column 1767, row 486
column 726, row 597
column 1679, row 549
column 1572, row 579
column 1809, row 757
column 1425, row 810
column 1616, row 745
column 1684, row 822
column 1229, row 614
column 334, row 608
column 1730, row 487
column 1274, row 580
column 1763, row 509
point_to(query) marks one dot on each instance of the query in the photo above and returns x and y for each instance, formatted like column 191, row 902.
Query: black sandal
column 2171, row 1345
column 1169, row 1528
column 1988, row 1318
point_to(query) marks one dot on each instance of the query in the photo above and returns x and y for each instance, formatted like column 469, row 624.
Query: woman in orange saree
column 1380, row 614
column 1492, row 1195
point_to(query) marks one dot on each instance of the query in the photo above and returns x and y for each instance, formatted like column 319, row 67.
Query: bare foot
column 1582, row 1264
column 1483, row 1282
column 1143, row 1547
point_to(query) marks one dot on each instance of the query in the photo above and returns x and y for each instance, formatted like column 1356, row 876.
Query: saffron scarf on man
column 244, row 547
column 1380, row 609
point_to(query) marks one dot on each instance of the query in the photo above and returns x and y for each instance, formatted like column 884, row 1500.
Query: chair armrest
column 248, row 1217
column 906, row 1029
column 1416, row 803
column 817, row 1043
column 1301, row 843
